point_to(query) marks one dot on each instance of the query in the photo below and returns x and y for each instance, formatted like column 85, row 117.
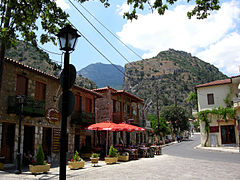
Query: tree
column 192, row 97
column 20, row 18
column 163, row 127
column 201, row 10
column 176, row 115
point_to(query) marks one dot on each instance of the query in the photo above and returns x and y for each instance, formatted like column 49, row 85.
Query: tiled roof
column 129, row 94
column 214, row 83
column 105, row 88
column 119, row 92
column 47, row 75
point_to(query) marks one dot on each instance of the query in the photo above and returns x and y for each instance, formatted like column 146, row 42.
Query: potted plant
column 94, row 158
column 124, row 156
column 112, row 157
column 39, row 165
column 76, row 162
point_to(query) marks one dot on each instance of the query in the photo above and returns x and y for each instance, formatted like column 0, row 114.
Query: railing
column 81, row 118
column 31, row 107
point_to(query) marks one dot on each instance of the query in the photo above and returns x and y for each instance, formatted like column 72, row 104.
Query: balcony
column 83, row 118
column 31, row 107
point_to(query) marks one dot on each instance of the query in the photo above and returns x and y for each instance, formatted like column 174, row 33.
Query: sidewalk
column 219, row 149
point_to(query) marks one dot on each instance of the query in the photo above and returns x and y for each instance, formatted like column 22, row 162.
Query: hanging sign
column 52, row 115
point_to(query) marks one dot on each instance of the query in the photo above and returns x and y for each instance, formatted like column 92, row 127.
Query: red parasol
column 129, row 127
column 104, row 126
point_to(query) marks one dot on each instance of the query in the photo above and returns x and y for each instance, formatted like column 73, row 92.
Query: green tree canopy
column 19, row 19
column 176, row 115
column 201, row 9
column 163, row 127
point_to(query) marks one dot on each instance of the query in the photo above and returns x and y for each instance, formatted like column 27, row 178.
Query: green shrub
column 40, row 157
column 113, row 152
column 95, row 155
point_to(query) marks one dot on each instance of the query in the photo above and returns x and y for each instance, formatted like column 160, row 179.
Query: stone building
column 40, row 115
column 120, row 106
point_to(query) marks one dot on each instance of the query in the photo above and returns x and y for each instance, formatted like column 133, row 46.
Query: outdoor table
column 133, row 153
column 157, row 149
column 145, row 151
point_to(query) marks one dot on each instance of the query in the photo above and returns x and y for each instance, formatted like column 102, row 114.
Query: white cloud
column 62, row 4
column 153, row 33
column 123, row 8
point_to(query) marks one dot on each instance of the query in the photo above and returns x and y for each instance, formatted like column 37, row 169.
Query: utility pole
column 158, row 133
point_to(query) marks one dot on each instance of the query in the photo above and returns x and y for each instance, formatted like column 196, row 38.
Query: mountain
column 104, row 74
column 174, row 73
column 38, row 59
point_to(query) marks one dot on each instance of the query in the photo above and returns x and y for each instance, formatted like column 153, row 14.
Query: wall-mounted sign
column 214, row 129
column 56, row 139
column 52, row 115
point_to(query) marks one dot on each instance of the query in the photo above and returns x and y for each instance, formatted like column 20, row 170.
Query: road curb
column 218, row 149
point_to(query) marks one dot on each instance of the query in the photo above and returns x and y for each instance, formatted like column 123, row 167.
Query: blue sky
column 215, row 40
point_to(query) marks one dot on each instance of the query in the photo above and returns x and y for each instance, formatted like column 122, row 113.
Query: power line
column 49, row 51
column 110, row 31
column 102, row 34
column 97, row 49
column 102, row 53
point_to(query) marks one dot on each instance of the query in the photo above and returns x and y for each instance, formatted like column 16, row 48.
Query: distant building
column 220, row 93
column 121, row 106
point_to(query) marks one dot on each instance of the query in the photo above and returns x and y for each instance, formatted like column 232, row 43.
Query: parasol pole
column 107, row 143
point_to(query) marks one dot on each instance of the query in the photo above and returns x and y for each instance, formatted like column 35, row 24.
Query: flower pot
column 94, row 160
column 39, row 168
column 111, row 160
column 123, row 158
column 76, row 165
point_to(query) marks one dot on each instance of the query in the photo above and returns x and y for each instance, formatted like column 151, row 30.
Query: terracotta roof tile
column 214, row 83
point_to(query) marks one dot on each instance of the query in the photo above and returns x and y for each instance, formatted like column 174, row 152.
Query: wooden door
column 228, row 134
column 8, row 135
column 47, row 141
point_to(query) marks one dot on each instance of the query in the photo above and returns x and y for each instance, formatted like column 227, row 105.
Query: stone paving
column 162, row 167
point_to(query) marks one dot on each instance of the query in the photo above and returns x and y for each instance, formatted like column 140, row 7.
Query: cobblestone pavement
column 162, row 167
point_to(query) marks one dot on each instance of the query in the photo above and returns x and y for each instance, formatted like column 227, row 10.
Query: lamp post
column 67, row 39
column 20, row 99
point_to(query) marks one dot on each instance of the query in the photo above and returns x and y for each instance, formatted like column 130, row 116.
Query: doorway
column 228, row 134
column 77, row 143
column 8, row 135
column 47, row 141
column 28, row 141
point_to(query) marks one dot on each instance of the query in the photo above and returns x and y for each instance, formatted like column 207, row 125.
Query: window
column 78, row 105
column 114, row 106
column 88, row 105
column 40, row 91
column 22, row 84
column 210, row 99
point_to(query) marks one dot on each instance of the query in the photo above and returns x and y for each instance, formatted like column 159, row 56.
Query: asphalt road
column 186, row 149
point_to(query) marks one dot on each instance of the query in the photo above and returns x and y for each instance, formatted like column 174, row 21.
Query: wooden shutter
column 40, row 91
column 21, row 87
column 88, row 105
column 78, row 103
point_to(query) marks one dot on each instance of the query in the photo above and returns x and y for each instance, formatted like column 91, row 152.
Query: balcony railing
column 31, row 107
column 82, row 118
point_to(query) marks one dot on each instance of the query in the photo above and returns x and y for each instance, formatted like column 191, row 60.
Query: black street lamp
column 67, row 39
column 20, row 101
